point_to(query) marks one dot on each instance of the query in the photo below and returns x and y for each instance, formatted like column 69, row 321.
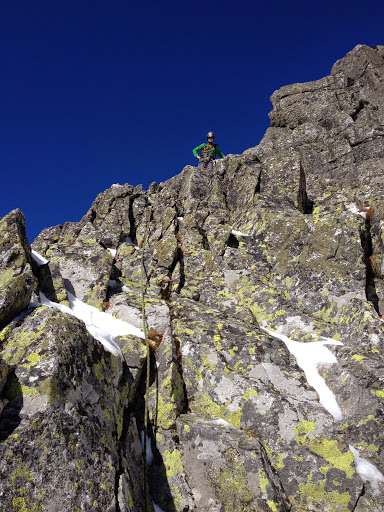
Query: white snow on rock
column 358, row 211
column 40, row 260
column 149, row 454
column 220, row 421
column 112, row 251
column 238, row 233
column 308, row 356
column 367, row 471
column 128, row 240
column 156, row 507
column 102, row 326
column 23, row 314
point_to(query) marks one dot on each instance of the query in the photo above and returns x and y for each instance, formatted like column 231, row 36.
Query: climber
column 209, row 150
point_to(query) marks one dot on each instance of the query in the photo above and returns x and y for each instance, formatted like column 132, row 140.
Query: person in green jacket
column 209, row 150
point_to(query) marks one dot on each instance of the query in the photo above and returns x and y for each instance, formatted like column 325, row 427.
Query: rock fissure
column 132, row 219
column 362, row 104
column 370, row 270
column 356, row 505
column 305, row 205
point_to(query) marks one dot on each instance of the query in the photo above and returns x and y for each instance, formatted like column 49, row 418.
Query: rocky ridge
column 251, row 271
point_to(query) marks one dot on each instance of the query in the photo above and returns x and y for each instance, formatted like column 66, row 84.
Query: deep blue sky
column 96, row 92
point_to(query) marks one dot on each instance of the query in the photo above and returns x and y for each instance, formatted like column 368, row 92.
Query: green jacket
column 213, row 151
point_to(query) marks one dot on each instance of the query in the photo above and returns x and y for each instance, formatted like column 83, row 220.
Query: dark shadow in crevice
column 115, row 288
column 362, row 492
column 132, row 220
column 258, row 184
column 304, row 204
column 10, row 417
column 204, row 237
column 159, row 488
column 370, row 287
column 233, row 241
column 275, row 481
column 362, row 104
column 69, row 287
column 180, row 260
column 129, row 435
column 48, row 274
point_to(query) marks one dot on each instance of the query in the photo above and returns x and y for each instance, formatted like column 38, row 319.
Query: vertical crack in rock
column 258, row 184
column 362, row 104
column 204, row 237
column 166, row 286
column 305, row 205
column 117, row 485
column 275, row 481
column 132, row 220
column 370, row 272
column 362, row 492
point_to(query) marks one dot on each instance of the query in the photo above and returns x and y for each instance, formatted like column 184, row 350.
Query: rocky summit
column 256, row 294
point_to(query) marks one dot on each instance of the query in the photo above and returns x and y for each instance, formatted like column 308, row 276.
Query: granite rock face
column 262, row 284
column 16, row 278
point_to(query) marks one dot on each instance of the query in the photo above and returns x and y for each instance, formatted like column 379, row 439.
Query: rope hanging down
column 146, row 494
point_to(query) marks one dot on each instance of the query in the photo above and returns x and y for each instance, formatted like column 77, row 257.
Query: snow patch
column 149, row 454
column 112, row 251
column 239, row 233
column 156, row 507
column 40, row 260
column 220, row 421
column 367, row 471
column 23, row 314
column 102, row 326
column 128, row 240
column 308, row 356
column 358, row 211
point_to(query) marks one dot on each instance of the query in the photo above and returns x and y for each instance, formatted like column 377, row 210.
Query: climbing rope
column 146, row 494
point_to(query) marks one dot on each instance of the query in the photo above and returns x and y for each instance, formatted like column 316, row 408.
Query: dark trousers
column 206, row 163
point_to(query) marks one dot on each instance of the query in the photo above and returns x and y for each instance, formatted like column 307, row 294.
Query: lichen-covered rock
column 262, row 287
column 17, row 281
column 65, row 419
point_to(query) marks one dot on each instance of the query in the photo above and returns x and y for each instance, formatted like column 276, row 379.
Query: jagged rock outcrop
column 263, row 291
column 16, row 278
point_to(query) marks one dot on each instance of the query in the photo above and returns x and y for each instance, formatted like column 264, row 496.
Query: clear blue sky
column 96, row 92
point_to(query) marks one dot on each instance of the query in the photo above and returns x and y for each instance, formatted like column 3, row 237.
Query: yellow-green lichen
column 302, row 428
column 263, row 481
column 368, row 447
column 172, row 462
column 250, row 392
column 33, row 359
column 272, row 505
column 24, row 504
column 368, row 418
column 5, row 333
column 204, row 405
column 232, row 484
column 357, row 358
column 330, row 451
column 49, row 387
column 315, row 494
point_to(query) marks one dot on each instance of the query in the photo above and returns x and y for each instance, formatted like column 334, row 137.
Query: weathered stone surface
column 64, row 422
column 16, row 278
column 274, row 249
